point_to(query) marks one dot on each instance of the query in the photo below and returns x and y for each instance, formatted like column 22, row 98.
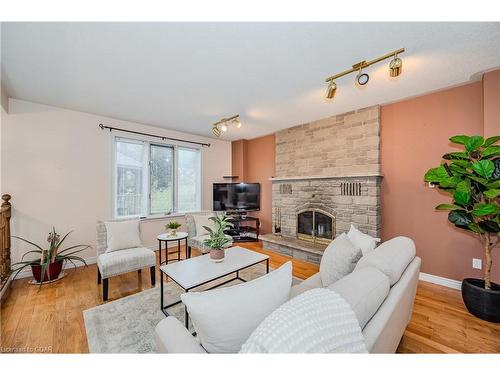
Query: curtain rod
column 153, row 135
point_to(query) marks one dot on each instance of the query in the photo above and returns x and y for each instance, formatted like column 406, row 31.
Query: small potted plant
column 172, row 228
column 49, row 263
column 472, row 178
column 217, row 239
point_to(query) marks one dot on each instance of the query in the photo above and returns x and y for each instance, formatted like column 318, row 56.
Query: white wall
column 57, row 165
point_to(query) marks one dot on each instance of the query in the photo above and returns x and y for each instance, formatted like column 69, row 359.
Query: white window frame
column 146, row 180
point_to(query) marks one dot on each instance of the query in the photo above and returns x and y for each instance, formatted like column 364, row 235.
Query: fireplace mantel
column 299, row 178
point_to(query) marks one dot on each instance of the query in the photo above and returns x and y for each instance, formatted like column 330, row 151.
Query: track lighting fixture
column 222, row 124
column 395, row 68
column 330, row 91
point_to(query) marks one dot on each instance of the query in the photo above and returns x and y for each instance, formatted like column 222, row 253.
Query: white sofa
column 384, row 329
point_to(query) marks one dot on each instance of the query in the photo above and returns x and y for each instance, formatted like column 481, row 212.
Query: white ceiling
column 185, row 76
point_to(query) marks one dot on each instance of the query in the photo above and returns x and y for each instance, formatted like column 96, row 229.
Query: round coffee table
column 166, row 238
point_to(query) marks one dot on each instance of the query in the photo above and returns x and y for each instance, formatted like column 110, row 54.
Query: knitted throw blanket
column 316, row 321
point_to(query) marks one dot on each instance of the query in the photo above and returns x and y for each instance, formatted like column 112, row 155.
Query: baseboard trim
column 450, row 283
column 27, row 271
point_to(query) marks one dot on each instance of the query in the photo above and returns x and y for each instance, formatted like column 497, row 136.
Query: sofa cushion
column 224, row 318
column 391, row 257
column 364, row 241
column 365, row 290
column 126, row 260
column 122, row 235
column 339, row 259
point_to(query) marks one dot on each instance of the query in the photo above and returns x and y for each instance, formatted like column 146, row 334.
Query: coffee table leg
column 267, row 265
column 161, row 290
column 186, row 317
column 159, row 249
column 178, row 249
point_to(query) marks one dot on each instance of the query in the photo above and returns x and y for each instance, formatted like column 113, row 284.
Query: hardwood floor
column 50, row 319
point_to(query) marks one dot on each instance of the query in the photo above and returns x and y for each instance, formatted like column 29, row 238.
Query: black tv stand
column 243, row 225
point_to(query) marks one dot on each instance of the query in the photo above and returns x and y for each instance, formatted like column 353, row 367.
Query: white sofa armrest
column 172, row 337
column 310, row 283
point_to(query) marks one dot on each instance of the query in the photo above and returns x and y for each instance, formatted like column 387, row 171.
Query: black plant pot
column 483, row 303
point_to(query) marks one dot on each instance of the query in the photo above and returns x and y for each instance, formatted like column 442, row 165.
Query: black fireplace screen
column 315, row 225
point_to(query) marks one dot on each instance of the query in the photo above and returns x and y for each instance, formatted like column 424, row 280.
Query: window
column 155, row 179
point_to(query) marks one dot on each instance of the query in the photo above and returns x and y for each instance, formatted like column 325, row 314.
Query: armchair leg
column 105, row 289
column 98, row 276
column 152, row 271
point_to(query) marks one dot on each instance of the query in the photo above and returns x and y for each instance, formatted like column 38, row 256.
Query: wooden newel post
column 5, row 214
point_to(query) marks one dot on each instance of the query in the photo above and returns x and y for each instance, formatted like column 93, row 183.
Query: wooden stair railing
column 5, row 214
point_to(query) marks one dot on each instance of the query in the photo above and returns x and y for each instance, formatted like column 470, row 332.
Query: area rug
column 127, row 324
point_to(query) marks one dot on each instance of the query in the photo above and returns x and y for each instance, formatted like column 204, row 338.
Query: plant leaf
column 460, row 139
column 484, row 168
column 462, row 193
column 455, row 156
column 491, row 140
column 436, row 174
column 482, row 209
column 450, row 182
column 31, row 243
column 447, row 207
column 490, row 151
column 460, row 218
column 476, row 228
column 474, row 142
column 492, row 193
column 489, row 226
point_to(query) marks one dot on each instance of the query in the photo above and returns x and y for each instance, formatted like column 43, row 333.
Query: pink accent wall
column 254, row 161
column 414, row 136
column 491, row 103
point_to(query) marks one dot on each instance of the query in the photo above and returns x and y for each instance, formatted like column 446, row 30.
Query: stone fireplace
column 328, row 177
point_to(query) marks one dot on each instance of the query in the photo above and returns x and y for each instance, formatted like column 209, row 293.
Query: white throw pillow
column 224, row 318
column 364, row 241
column 203, row 220
column 339, row 259
column 122, row 235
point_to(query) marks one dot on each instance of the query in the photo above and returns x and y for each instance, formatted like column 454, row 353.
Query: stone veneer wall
column 314, row 159
column 347, row 144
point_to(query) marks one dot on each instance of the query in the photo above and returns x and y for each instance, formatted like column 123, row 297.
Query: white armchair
column 118, row 262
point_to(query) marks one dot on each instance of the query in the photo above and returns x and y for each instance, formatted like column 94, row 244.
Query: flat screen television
column 236, row 196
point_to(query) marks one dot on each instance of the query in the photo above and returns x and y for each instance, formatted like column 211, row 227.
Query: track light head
column 223, row 127
column 216, row 131
column 362, row 78
column 330, row 91
column 237, row 122
column 395, row 66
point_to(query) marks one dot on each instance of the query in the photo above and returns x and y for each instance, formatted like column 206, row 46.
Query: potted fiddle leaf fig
column 48, row 264
column 217, row 239
column 472, row 178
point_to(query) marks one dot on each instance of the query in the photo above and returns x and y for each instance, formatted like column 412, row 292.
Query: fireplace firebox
column 315, row 225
